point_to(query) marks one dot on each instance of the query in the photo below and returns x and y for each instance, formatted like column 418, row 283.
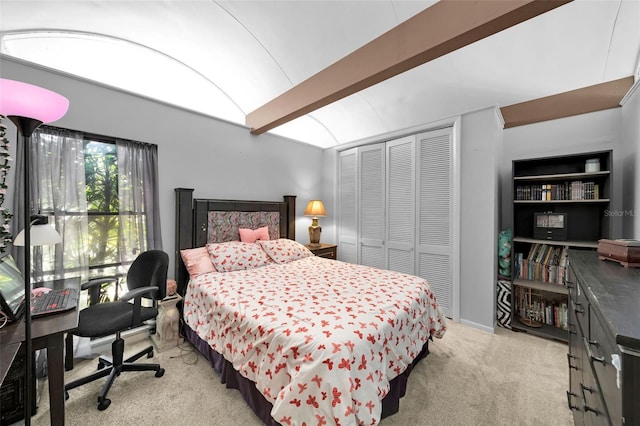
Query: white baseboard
column 491, row 330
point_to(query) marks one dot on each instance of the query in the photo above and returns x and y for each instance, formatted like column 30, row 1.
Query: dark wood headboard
column 192, row 219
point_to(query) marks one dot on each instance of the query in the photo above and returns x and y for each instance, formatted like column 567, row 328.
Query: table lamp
column 315, row 208
column 42, row 233
column 29, row 106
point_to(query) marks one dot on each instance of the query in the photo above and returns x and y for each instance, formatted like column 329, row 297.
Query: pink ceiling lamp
column 29, row 106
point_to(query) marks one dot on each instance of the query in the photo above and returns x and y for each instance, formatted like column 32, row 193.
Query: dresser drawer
column 579, row 306
column 601, row 352
column 593, row 405
column 575, row 363
column 329, row 251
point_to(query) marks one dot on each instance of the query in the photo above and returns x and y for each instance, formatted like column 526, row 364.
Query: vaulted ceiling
column 228, row 58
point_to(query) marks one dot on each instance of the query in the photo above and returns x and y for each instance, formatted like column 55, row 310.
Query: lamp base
column 314, row 235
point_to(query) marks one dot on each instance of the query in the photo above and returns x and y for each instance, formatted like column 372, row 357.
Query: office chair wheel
column 160, row 372
column 66, row 395
column 150, row 354
column 104, row 404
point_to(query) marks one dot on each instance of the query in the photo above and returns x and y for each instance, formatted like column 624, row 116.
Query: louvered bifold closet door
column 348, row 205
column 372, row 202
column 434, row 214
column 401, row 204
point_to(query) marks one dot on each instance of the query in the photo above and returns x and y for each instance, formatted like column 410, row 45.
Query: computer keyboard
column 58, row 300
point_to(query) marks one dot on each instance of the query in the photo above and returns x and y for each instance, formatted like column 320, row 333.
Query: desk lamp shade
column 42, row 233
column 315, row 208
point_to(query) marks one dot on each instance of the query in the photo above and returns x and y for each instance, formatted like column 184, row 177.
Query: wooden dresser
column 604, row 341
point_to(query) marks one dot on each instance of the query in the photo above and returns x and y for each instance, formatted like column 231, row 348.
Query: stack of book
column 542, row 309
column 576, row 190
column 544, row 262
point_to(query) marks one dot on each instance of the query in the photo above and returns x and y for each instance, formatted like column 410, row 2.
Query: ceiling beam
column 580, row 101
column 440, row 29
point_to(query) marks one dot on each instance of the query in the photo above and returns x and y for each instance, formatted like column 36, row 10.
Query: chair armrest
column 94, row 287
column 137, row 294
column 98, row 282
column 140, row 291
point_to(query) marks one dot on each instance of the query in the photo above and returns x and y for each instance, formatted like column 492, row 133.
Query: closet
column 396, row 205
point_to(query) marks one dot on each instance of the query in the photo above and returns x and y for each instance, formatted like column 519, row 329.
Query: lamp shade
column 315, row 208
column 26, row 100
column 40, row 235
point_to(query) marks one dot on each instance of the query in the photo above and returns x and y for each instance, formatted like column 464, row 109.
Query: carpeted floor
column 470, row 378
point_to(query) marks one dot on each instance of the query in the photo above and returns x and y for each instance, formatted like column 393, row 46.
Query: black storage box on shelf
column 550, row 226
column 12, row 392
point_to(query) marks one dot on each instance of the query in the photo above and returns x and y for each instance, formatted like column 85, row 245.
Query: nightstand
column 330, row 251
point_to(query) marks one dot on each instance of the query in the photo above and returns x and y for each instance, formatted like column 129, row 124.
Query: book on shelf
column 544, row 263
column 541, row 308
column 575, row 190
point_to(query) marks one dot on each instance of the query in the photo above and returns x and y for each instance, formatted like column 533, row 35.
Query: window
column 101, row 188
column 101, row 194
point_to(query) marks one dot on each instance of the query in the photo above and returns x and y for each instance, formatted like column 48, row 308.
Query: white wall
column 596, row 131
column 631, row 163
column 216, row 158
column 481, row 139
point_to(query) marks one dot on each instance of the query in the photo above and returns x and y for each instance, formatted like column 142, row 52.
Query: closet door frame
column 455, row 124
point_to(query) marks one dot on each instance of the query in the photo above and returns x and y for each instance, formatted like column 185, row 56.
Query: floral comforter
column 320, row 338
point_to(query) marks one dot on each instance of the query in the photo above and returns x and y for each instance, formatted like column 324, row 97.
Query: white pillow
column 284, row 250
column 236, row 256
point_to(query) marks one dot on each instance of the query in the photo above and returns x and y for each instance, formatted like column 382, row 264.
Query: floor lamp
column 29, row 106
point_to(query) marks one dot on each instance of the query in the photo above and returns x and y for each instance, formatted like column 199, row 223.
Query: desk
column 46, row 333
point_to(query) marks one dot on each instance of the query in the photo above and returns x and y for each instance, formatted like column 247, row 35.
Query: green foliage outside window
column 101, row 176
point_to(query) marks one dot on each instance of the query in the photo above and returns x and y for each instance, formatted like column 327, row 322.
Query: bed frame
column 192, row 222
column 191, row 231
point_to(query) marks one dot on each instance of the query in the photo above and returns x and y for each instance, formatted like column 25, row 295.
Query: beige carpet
column 470, row 378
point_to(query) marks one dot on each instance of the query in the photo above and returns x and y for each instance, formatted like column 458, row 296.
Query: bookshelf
column 559, row 203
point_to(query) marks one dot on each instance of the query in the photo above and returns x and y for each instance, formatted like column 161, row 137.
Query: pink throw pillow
column 197, row 261
column 252, row 235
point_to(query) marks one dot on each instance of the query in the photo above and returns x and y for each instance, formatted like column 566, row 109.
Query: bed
column 306, row 340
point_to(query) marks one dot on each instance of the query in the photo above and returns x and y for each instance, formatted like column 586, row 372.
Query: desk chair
column 147, row 277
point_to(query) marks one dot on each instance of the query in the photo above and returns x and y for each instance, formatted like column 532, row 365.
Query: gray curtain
column 58, row 186
column 138, row 198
